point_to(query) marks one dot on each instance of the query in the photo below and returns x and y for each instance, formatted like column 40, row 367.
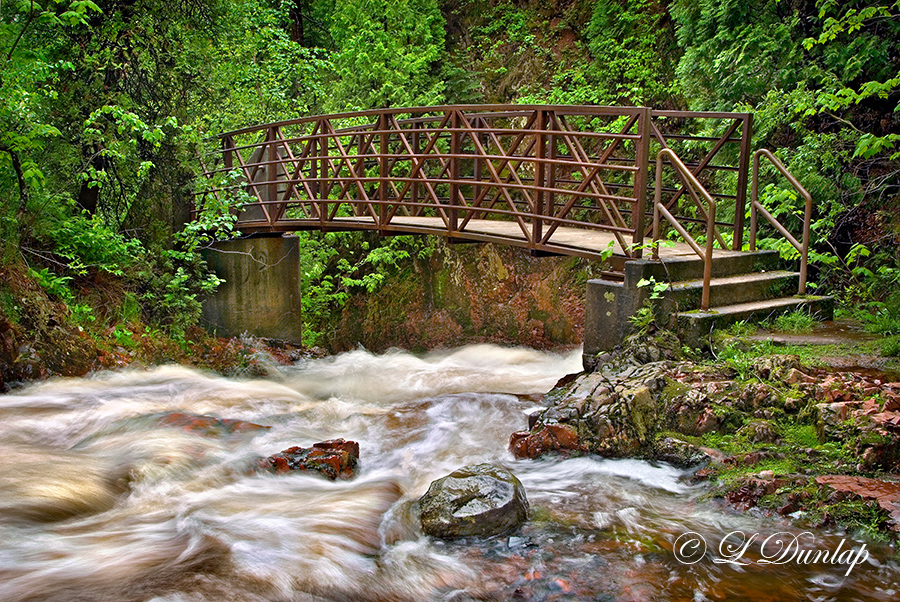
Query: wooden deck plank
column 565, row 238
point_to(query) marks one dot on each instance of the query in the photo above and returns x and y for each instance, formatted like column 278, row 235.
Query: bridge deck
column 580, row 242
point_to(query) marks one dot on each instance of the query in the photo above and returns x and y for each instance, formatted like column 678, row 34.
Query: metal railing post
column 539, row 167
column 660, row 209
column 756, row 206
column 271, row 173
column 414, row 189
column 454, row 172
column 325, row 187
column 741, row 193
column 642, row 163
column 383, row 171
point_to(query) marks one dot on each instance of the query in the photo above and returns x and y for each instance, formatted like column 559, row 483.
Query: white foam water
column 100, row 501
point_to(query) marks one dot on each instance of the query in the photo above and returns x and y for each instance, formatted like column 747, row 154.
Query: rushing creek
column 99, row 502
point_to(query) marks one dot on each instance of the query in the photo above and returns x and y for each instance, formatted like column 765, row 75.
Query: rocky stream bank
column 819, row 446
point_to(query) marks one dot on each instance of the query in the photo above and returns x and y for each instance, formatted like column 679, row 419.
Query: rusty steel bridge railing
column 522, row 175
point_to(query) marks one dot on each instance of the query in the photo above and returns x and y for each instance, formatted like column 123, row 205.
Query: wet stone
column 481, row 500
column 677, row 452
column 776, row 367
column 335, row 458
column 885, row 493
column 544, row 439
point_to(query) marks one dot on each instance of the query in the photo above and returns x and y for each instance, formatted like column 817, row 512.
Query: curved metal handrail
column 755, row 205
column 496, row 110
column 660, row 209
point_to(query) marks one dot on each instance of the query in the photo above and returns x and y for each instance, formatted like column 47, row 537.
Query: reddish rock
column 891, row 401
column 796, row 376
column 888, row 419
column 559, row 438
column 835, row 389
column 351, row 447
column 209, row 426
column 335, row 458
column 753, row 488
column 885, row 493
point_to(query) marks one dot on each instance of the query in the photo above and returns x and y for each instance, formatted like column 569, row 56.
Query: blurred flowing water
column 100, row 502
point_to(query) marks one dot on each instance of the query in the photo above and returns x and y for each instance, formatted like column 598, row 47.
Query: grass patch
column 742, row 329
column 890, row 346
column 796, row 322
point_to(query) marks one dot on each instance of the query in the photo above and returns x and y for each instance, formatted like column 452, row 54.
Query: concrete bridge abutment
column 261, row 292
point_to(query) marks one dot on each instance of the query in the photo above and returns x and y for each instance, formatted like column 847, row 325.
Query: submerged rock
column 335, row 458
column 209, row 425
column 481, row 500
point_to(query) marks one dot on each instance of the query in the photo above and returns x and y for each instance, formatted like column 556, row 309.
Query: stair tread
column 755, row 305
column 748, row 278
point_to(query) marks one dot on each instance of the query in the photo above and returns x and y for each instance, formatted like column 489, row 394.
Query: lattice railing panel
column 544, row 168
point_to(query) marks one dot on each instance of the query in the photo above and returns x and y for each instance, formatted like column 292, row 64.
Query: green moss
column 672, row 390
column 9, row 306
column 861, row 515
column 803, row 435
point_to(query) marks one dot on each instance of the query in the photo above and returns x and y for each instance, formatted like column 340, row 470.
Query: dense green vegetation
column 104, row 104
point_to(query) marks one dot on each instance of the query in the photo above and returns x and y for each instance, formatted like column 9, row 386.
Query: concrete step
column 696, row 326
column 725, row 263
column 730, row 290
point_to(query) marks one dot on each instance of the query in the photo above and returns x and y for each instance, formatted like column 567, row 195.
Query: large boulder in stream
column 481, row 500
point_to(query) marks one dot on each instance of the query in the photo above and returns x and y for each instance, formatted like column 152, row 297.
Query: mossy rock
column 481, row 500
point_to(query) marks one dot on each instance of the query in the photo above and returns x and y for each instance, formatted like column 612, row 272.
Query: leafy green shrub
column 82, row 314
column 86, row 242
column 58, row 286
column 643, row 319
column 336, row 265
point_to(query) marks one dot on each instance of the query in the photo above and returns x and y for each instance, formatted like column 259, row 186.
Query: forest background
column 103, row 106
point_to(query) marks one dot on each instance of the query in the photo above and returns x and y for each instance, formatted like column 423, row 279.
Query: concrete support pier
column 261, row 292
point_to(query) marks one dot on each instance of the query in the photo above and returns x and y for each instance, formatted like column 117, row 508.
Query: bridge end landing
column 745, row 286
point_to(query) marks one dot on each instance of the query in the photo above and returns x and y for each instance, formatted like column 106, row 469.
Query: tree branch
column 21, row 33
column 20, row 176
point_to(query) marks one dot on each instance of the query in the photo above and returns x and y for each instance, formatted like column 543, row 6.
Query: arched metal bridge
column 568, row 180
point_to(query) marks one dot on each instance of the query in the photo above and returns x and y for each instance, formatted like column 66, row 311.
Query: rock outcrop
column 481, row 500
column 613, row 411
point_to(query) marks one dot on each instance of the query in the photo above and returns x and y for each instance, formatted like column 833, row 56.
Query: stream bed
column 101, row 501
